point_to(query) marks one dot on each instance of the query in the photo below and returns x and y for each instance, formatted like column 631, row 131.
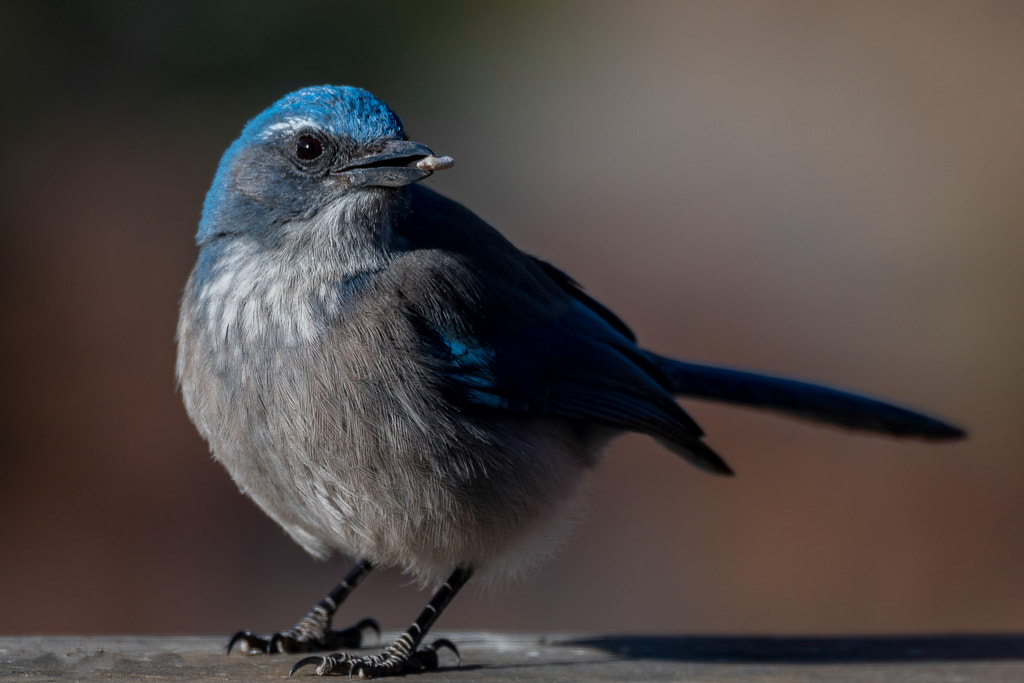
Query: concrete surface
column 521, row 657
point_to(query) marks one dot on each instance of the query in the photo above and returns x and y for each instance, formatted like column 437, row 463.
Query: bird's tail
column 801, row 399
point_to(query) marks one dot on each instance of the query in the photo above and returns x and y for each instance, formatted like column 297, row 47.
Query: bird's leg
column 401, row 656
column 314, row 631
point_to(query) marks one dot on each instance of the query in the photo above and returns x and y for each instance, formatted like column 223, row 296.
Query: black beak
column 390, row 166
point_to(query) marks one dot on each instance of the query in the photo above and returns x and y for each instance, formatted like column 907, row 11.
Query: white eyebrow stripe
column 288, row 125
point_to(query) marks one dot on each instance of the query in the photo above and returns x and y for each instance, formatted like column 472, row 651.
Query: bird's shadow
column 809, row 649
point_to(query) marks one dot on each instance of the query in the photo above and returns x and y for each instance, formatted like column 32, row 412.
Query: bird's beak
column 399, row 162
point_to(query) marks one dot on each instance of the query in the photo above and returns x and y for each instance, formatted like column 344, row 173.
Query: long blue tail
column 798, row 398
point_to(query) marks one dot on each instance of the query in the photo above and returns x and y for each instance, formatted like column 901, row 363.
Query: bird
column 390, row 378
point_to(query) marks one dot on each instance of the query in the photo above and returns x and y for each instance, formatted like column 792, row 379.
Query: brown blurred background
column 825, row 190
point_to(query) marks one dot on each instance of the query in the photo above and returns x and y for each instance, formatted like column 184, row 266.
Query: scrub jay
column 389, row 377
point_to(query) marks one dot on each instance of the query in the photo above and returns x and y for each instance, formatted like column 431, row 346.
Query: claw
column 234, row 639
column 444, row 642
column 306, row 661
column 276, row 643
column 368, row 624
column 426, row 659
column 244, row 637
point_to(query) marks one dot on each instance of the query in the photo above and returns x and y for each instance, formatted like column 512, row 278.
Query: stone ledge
column 524, row 657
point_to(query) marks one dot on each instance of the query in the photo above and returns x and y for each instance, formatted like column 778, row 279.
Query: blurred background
column 823, row 190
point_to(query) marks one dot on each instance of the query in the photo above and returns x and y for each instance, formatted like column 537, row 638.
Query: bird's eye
column 308, row 147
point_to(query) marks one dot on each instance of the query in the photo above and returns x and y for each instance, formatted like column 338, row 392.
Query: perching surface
column 525, row 657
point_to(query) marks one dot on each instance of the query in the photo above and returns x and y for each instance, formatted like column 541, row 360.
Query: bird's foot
column 312, row 634
column 397, row 659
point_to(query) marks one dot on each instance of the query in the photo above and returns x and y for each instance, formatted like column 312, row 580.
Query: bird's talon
column 444, row 642
column 367, row 625
column 250, row 643
column 234, row 639
column 306, row 661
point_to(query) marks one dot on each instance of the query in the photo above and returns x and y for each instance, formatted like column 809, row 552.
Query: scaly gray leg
column 314, row 631
column 401, row 656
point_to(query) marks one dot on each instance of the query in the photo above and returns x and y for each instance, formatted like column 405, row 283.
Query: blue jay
column 389, row 377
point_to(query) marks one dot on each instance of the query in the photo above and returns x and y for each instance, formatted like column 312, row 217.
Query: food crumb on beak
column 433, row 163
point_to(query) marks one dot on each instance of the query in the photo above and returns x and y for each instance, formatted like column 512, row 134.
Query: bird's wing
column 504, row 331
column 572, row 366
column 573, row 289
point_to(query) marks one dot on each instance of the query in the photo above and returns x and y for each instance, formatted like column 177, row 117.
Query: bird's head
column 308, row 151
